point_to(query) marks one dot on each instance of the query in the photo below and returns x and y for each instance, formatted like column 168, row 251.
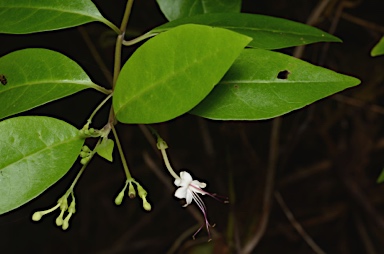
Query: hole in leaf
column 283, row 74
column 3, row 79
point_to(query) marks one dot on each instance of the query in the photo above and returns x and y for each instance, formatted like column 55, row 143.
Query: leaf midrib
column 165, row 78
column 41, row 150
column 87, row 84
column 275, row 82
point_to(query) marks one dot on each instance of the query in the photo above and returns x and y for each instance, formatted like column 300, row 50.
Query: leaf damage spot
column 3, row 79
column 283, row 74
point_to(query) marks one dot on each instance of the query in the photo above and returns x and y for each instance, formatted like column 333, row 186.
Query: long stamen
column 212, row 195
column 194, row 235
column 203, row 209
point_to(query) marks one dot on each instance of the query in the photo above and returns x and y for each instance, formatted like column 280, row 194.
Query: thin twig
column 358, row 103
column 313, row 17
column 297, row 225
column 269, row 187
column 363, row 23
column 176, row 244
column 304, row 173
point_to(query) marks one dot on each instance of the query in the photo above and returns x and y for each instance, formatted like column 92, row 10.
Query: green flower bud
column 91, row 130
column 71, row 208
column 59, row 220
column 63, row 203
column 37, row 216
column 131, row 191
column 84, row 154
column 119, row 198
column 65, row 225
column 66, row 222
column 84, row 160
column 141, row 191
column 146, row 205
column 85, row 149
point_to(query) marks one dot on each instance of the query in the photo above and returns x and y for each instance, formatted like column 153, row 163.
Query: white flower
column 190, row 189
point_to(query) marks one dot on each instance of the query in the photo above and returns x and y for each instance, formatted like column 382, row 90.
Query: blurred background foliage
column 323, row 167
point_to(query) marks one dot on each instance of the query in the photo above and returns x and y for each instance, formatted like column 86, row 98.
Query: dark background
column 329, row 154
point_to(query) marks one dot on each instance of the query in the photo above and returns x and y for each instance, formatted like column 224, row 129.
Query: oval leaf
column 185, row 8
column 267, row 32
column 172, row 72
column 25, row 16
column 37, row 76
column 262, row 84
column 35, row 153
column 378, row 49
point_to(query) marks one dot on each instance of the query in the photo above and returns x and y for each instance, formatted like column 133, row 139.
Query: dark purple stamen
column 203, row 208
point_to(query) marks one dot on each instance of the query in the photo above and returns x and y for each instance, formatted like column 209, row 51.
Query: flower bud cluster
column 86, row 155
column 89, row 132
column 62, row 203
column 132, row 194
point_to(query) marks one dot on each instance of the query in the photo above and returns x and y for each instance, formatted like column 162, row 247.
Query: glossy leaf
column 184, row 8
column 378, row 49
column 172, row 72
column 262, row 84
column 37, row 76
column 35, row 153
column 26, row 16
column 267, row 32
column 105, row 149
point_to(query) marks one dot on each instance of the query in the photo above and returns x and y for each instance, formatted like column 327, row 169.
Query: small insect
column 283, row 74
column 3, row 79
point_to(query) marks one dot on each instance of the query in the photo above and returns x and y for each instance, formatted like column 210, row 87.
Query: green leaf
column 172, row 72
column 262, row 84
column 37, row 76
column 26, row 16
column 378, row 49
column 105, row 149
column 35, row 153
column 184, row 8
column 267, row 32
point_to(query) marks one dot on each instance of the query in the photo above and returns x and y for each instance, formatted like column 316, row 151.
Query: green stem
column 122, row 157
column 70, row 190
column 76, row 179
column 119, row 41
column 138, row 39
column 111, row 25
column 127, row 13
column 167, row 164
column 98, row 108
column 116, row 72
column 162, row 145
column 101, row 89
column 117, row 65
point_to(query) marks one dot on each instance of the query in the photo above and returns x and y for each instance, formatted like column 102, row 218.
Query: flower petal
column 199, row 184
column 186, row 178
column 177, row 182
column 181, row 192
